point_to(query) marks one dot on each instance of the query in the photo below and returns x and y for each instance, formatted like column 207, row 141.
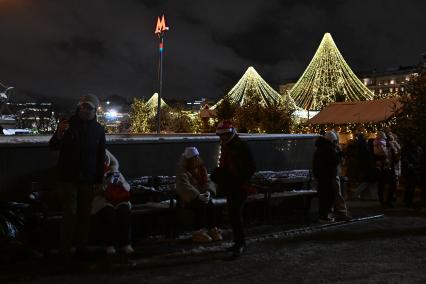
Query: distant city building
column 39, row 117
column 24, row 118
column 391, row 81
column 198, row 104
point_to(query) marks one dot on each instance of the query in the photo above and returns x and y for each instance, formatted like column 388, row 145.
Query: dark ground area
column 372, row 248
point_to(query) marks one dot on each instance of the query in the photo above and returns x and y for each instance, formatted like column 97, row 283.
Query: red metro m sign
column 161, row 25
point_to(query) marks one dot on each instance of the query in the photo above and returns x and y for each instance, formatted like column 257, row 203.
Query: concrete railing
column 27, row 158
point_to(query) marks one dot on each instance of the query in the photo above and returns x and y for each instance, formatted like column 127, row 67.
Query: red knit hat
column 225, row 127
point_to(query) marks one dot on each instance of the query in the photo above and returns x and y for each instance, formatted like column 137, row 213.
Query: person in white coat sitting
column 195, row 191
column 113, row 207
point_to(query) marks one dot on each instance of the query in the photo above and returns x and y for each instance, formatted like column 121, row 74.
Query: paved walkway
column 375, row 248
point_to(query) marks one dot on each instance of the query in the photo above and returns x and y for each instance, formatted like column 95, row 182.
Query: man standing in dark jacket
column 236, row 166
column 81, row 142
column 324, row 168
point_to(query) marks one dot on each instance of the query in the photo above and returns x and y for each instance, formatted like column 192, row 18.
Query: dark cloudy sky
column 65, row 48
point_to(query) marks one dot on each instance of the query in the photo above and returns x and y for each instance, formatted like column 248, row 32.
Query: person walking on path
column 411, row 169
column 236, row 166
column 81, row 144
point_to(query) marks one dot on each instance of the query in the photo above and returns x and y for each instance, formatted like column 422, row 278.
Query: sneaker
column 110, row 250
column 201, row 237
column 216, row 234
column 127, row 249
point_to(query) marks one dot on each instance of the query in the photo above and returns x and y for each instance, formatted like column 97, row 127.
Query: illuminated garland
column 153, row 101
column 328, row 79
column 252, row 84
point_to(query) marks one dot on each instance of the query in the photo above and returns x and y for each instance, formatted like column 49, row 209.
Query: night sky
column 53, row 49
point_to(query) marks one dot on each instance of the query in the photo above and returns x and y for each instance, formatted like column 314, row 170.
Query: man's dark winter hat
column 89, row 99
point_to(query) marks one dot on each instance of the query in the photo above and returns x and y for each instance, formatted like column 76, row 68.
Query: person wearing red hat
column 236, row 166
column 195, row 191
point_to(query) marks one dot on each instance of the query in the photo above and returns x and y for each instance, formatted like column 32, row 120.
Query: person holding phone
column 81, row 144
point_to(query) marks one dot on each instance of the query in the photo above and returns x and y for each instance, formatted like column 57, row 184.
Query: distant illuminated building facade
column 38, row 117
column 389, row 82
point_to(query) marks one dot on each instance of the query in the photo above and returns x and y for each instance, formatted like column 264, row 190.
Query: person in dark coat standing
column 411, row 169
column 81, row 144
column 236, row 166
column 325, row 163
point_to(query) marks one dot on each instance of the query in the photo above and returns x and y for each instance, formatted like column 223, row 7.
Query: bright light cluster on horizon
column 328, row 78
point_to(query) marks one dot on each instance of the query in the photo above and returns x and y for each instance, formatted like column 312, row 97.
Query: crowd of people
column 93, row 186
column 377, row 164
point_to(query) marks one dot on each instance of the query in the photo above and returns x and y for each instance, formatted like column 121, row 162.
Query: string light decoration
column 153, row 102
column 252, row 84
column 327, row 79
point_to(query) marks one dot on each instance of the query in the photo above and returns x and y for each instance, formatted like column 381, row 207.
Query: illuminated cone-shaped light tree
column 255, row 107
column 328, row 79
column 252, row 85
column 153, row 102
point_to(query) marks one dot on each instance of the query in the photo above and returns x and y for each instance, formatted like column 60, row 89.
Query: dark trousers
column 235, row 201
column 386, row 179
column 411, row 181
column 115, row 225
column 205, row 216
column 77, row 204
column 327, row 195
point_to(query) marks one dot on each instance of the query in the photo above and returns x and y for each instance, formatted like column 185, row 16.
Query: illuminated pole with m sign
column 160, row 30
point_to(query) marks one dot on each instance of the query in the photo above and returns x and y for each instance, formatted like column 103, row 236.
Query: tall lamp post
column 160, row 30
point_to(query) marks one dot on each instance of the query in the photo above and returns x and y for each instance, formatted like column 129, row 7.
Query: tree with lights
column 225, row 110
column 277, row 118
column 140, row 113
column 253, row 117
column 183, row 121
column 327, row 79
column 412, row 120
column 249, row 116
column 143, row 115
column 165, row 122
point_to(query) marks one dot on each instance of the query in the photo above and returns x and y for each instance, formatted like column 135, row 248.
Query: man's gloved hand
column 205, row 197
